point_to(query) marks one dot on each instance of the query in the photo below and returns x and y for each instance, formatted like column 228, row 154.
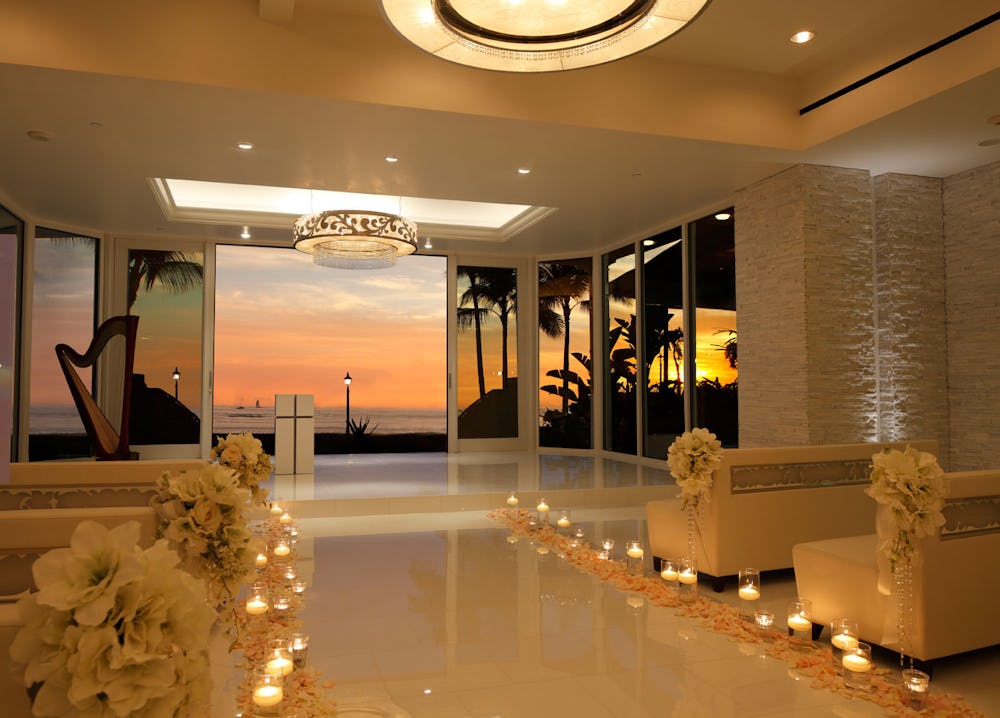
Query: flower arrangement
column 692, row 458
column 244, row 454
column 911, row 484
column 114, row 630
column 203, row 514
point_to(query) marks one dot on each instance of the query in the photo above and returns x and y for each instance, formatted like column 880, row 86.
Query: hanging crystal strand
column 904, row 609
column 692, row 507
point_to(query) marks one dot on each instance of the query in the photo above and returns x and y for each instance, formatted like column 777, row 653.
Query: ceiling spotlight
column 723, row 216
column 523, row 171
column 648, row 242
column 245, row 234
column 245, row 145
column 427, row 244
column 391, row 159
column 802, row 36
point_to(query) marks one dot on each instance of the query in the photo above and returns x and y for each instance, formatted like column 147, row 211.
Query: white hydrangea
column 692, row 458
column 244, row 454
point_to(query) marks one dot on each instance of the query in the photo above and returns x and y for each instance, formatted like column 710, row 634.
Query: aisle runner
column 304, row 688
column 811, row 662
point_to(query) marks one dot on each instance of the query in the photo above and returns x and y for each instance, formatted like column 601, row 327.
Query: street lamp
column 347, row 386
column 177, row 379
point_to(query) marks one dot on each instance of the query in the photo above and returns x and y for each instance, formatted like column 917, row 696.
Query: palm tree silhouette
column 473, row 316
column 500, row 290
column 562, row 287
column 170, row 268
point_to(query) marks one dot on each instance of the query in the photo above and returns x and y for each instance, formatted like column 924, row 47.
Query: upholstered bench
column 763, row 501
column 955, row 581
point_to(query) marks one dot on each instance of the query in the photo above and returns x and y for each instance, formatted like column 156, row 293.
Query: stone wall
column 972, row 285
column 912, row 359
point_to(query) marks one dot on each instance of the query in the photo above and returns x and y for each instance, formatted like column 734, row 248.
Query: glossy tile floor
column 437, row 615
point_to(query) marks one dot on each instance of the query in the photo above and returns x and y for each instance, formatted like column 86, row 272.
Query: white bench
column 764, row 501
column 956, row 586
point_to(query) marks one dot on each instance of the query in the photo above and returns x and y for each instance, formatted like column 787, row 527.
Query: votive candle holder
column 748, row 589
column 916, row 686
column 799, row 621
column 268, row 693
column 687, row 581
column 843, row 636
column 299, row 646
column 763, row 621
column 857, row 664
column 634, row 554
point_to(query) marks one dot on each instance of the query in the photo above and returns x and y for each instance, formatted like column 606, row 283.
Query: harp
column 107, row 443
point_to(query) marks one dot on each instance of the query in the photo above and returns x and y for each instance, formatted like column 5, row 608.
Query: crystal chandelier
column 355, row 239
column 537, row 35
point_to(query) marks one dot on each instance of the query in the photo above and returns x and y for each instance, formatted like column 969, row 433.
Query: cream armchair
column 955, row 582
column 764, row 501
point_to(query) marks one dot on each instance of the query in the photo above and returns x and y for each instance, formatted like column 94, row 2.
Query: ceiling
column 127, row 92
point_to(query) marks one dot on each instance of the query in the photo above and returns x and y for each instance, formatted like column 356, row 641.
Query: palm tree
column 171, row 268
column 473, row 316
column 499, row 287
column 562, row 287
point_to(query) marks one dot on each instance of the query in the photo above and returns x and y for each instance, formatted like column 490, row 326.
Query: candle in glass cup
column 299, row 649
column 285, row 518
column 634, row 550
column 608, row 545
column 261, row 560
column 687, row 578
column 542, row 507
column 276, row 509
column 857, row 663
column 763, row 620
column 268, row 691
column 668, row 570
column 281, row 601
column 749, row 584
column 563, row 522
column 799, row 622
column 916, row 684
column 282, row 549
column 298, row 587
column 256, row 604
column 843, row 636
column 512, row 500
column 603, row 555
column 279, row 659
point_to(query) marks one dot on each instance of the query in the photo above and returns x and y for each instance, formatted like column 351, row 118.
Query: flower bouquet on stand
column 692, row 458
column 114, row 630
column 244, row 454
column 910, row 490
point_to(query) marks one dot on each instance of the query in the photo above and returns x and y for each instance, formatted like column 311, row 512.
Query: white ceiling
column 326, row 96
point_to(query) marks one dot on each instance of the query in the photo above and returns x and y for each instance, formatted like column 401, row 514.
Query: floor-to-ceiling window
column 487, row 352
column 63, row 311
column 11, row 237
column 284, row 325
column 620, row 344
column 564, row 353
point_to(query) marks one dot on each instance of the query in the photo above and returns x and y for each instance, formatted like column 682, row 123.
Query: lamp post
column 347, row 386
column 177, row 379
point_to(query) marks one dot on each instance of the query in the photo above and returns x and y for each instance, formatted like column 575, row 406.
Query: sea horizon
column 64, row 419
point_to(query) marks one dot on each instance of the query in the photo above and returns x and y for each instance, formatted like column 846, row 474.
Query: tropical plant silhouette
column 471, row 310
column 562, row 287
column 170, row 268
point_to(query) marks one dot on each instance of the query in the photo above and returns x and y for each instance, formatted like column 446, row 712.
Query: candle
column 764, row 620
column 635, row 600
column 687, row 576
column 290, row 573
column 608, row 544
column 634, row 552
column 563, row 522
column 299, row 587
column 282, row 549
column 749, row 593
column 542, row 506
column 512, row 500
column 844, row 641
column 279, row 666
column 300, row 647
column 256, row 605
column 857, row 663
column 542, row 550
column 798, row 622
column 285, row 518
column 276, row 510
column 261, row 560
column 669, row 573
column 603, row 555
column 267, row 696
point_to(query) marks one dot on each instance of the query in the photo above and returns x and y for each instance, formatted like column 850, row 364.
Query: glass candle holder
column 276, row 509
column 289, row 573
column 257, row 603
column 608, row 545
column 278, row 660
column 543, row 511
column 748, row 589
column 857, row 664
column 633, row 557
column 300, row 649
column 635, row 601
column 669, row 568
column 799, row 621
column 843, row 636
column 916, row 685
column 268, row 692
column 285, row 518
column 298, row 587
column 687, row 581
column 282, row 550
column 261, row 560
column 563, row 522
column 281, row 602
column 763, row 621
column 512, row 500
column 578, row 533
column 603, row 555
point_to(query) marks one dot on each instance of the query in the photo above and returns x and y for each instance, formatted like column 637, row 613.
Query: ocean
column 62, row 419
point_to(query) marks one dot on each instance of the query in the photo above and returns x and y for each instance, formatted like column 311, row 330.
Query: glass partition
column 564, row 348
column 714, row 282
column 11, row 237
column 64, row 311
column 620, row 344
column 663, row 345
column 487, row 352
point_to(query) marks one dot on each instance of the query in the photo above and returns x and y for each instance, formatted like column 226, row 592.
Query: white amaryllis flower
column 911, row 485
column 692, row 458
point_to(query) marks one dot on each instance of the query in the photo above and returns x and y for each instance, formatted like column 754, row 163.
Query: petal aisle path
column 810, row 662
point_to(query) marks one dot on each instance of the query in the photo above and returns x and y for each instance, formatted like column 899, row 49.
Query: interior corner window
column 63, row 312
column 664, row 341
column 620, row 351
column 564, row 348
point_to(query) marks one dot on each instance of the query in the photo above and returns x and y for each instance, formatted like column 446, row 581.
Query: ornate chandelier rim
column 370, row 238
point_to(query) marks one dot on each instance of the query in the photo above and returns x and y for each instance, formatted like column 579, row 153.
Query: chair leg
column 718, row 583
column 817, row 629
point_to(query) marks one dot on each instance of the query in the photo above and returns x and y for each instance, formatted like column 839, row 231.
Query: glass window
column 620, row 350
column 63, row 311
column 11, row 236
column 487, row 352
column 714, row 281
column 663, row 334
column 165, row 290
column 564, row 346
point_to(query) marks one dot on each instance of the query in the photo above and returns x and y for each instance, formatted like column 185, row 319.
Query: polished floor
column 435, row 614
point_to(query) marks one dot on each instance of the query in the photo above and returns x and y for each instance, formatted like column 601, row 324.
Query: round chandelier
column 537, row 35
column 355, row 239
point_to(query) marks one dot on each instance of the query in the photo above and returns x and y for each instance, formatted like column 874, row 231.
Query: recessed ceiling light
column 427, row 244
column 391, row 158
column 648, row 243
column 802, row 36
column 523, row 171
column 723, row 216
column 427, row 691
column 245, row 234
column 245, row 145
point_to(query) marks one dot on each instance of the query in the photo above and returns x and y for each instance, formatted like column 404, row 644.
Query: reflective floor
column 437, row 615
